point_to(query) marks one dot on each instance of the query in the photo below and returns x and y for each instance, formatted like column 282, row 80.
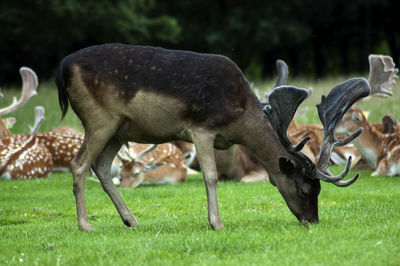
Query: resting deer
column 151, row 164
column 22, row 156
column 25, row 156
column 153, row 95
column 380, row 150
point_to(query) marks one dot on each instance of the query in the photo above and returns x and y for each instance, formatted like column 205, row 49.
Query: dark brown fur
column 200, row 80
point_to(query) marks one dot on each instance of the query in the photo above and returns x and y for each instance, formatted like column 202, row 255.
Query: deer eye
column 305, row 190
column 356, row 117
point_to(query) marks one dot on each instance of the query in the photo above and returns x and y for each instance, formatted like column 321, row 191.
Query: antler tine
column 331, row 111
column 124, row 154
column 284, row 101
column 146, row 151
column 29, row 86
column 283, row 73
column 39, row 118
column 382, row 75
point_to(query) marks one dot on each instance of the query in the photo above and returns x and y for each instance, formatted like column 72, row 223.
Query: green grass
column 359, row 225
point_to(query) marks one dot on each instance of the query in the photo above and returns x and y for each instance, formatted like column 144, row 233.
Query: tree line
column 316, row 38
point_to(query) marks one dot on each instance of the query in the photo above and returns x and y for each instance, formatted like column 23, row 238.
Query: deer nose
column 308, row 220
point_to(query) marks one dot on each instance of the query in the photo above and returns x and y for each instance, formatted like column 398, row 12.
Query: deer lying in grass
column 380, row 150
column 153, row 95
column 26, row 156
column 22, row 156
column 151, row 164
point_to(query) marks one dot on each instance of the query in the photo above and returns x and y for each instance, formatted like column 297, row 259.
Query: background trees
column 315, row 37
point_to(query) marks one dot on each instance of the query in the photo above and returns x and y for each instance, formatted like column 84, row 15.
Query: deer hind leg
column 102, row 168
column 204, row 142
column 93, row 145
column 382, row 168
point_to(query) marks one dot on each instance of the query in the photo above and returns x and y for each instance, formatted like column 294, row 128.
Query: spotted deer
column 153, row 95
column 25, row 156
column 22, row 156
column 151, row 164
column 381, row 151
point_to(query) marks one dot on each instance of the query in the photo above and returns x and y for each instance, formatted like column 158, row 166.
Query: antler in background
column 382, row 75
column 29, row 86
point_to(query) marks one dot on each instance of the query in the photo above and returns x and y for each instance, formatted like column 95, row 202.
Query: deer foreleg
column 204, row 143
column 102, row 168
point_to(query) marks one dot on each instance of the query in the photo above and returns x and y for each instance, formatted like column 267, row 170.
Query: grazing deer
column 153, row 95
column 380, row 150
column 151, row 164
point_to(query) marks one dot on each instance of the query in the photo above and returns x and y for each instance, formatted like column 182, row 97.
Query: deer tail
column 62, row 91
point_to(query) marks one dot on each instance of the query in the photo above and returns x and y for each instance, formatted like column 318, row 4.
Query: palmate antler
column 284, row 101
column 382, row 75
column 331, row 111
column 29, row 86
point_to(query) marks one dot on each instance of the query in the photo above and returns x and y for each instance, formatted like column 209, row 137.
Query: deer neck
column 261, row 140
column 368, row 143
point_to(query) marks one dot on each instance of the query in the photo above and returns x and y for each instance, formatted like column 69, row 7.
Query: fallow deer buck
column 153, row 95
column 151, row 164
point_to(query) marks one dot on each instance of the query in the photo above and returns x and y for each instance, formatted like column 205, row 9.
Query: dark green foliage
column 313, row 37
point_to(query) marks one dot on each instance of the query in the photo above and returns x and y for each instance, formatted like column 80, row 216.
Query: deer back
column 63, row 143
column 24, row 157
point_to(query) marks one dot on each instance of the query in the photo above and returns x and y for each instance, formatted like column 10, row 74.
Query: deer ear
column 286, row 166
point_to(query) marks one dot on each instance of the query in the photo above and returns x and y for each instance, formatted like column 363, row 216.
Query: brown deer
column 153, row 95
column 151, row 164
column 380, row 150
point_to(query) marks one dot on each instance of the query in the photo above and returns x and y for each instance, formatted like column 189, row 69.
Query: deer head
column 133, row 167
column 302, row 197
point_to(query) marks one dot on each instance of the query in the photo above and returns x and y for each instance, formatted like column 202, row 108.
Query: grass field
column 359, row 225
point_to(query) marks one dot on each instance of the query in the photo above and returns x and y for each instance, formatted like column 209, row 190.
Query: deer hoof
column 86, row 227
column 217, row 226
column 130, row 222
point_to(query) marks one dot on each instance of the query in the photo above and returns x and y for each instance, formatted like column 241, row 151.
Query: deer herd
column 175, row 98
